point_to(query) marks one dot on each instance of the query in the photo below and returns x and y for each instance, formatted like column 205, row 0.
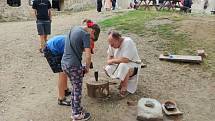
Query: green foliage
column 133, row 21
column 175, row 42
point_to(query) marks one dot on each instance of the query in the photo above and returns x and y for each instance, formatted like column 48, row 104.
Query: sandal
column 120, row 87
column 123, row 94
column 64, row 102
column 67, row 92
column 41, row 50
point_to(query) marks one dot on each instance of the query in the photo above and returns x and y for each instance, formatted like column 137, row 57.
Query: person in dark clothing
column 161, row 1
column 42, row 10
column 187, row 5
column 56, row 4
column 205, row 4
column 14, row 3
column 113, row 4
column 99, row 5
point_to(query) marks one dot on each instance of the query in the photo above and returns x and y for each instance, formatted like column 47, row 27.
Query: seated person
column 53, row 52
column 186, row 5
column 123, row 62
column 161, row 1
column 134, row 4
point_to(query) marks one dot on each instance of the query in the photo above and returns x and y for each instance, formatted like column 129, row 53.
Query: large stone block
column 149, row 110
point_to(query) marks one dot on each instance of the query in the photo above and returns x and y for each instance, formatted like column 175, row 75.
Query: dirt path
column 28, row 88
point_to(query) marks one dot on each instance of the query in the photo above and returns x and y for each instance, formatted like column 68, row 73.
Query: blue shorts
column 43, row 27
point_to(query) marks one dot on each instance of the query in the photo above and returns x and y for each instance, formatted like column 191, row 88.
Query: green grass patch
column 175, row 42
column 133, row 21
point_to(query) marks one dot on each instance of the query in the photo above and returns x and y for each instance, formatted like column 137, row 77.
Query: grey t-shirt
column 75, row 42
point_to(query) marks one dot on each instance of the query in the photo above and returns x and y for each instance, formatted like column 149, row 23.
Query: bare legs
column 124, row 83
column 122, row 72
column 43, row 40
column 62, row 85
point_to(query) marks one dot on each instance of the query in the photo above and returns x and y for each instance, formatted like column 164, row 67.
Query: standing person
column 205, row 4
column 78, row 40
column 123, row 62
column 108, row 5
column 134, row 4
column 99, row 5
column 113, row 4
column 56, row 4
column 187, row 4
column 42, row 11
column 53, row 52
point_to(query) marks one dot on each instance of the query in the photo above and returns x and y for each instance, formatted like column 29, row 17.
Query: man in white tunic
column 123, row 62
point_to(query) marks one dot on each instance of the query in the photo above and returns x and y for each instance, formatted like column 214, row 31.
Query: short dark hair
column 114, row 34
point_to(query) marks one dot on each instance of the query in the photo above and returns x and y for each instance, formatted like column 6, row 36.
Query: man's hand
column 86, row 70
column 117, row 60
column 110, row 61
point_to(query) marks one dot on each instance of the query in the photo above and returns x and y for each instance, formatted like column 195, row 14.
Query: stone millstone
column 97, row 89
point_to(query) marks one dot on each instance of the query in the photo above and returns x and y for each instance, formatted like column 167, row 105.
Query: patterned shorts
column 53, row 60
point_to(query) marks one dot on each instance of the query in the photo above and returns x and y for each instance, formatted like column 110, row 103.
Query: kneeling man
column 123, row 62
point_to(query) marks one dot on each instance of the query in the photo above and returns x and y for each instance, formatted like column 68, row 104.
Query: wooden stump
column 97, row 89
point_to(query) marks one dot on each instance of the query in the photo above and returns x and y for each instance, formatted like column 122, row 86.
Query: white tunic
column 128, row 50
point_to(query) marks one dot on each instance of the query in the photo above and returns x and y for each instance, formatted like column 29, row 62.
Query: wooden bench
column 181, row 58
column 167, row 4
column 147, row 4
